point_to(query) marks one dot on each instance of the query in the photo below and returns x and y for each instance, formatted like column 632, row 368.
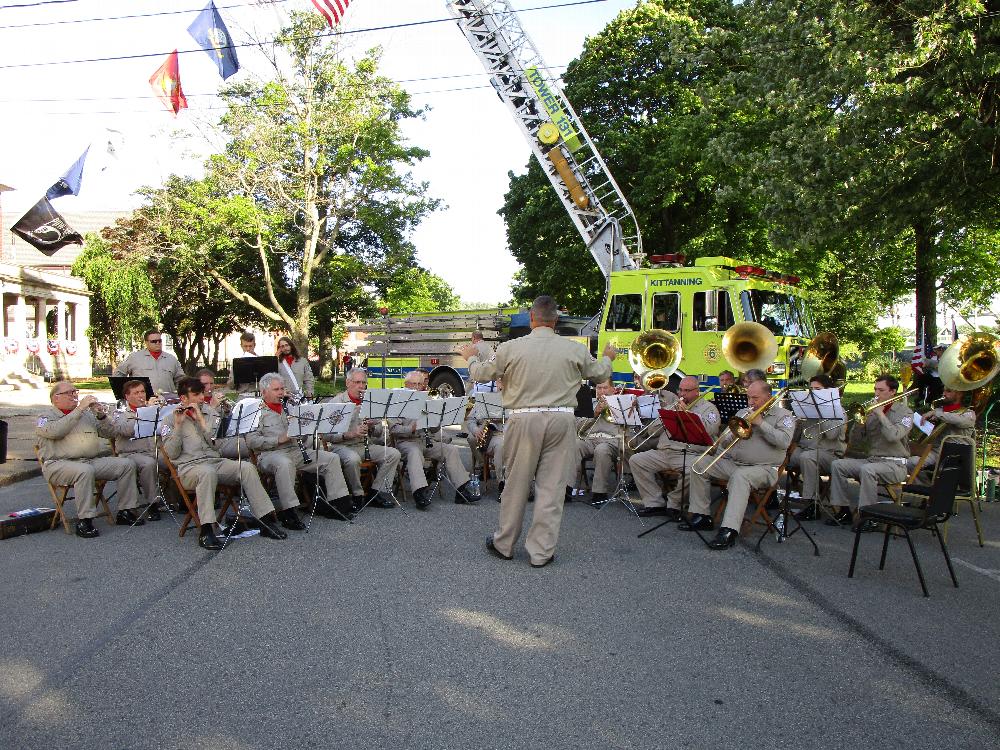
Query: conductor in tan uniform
column 69, row 442
column 670, row 455
column 749, row 465
column 541, row 374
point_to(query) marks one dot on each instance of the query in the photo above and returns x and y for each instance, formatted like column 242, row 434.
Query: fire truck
column 696, row 302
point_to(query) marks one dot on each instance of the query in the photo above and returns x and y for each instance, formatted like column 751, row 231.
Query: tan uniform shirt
column 958, row 423
column 540, row 369
column 485, row 351
column 270, row 430
column 833, row 441
column 374, row 431
column 768, row 443
column 123, row 423
column 887, row 437
column 189, row 444
column 164, row 373
column 71, row 436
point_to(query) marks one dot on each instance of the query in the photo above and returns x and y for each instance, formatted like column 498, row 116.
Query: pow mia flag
column 43, row 228
column 210, row 31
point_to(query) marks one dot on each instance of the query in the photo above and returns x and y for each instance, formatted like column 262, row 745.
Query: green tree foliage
column 124, row 303
column 417, row 290
column 870, row 131
column 318, row 153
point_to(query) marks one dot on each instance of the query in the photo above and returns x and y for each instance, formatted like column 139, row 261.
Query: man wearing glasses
column 162, row 368
column 69, row 441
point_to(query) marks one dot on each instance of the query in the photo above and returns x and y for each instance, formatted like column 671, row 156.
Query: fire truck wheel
column 448, row 383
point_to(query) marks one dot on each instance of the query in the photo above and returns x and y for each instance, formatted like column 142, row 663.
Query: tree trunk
column 925, row 283
column 325, row 333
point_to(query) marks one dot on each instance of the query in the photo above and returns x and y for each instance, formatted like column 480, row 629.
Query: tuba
column 971, row 364
column 822, row 356
column 654, row 356
column 749, row 346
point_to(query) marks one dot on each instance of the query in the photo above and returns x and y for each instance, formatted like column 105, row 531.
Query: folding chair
column 938, row 508
column 60, row 494
column 759, row 497
column 230, row 500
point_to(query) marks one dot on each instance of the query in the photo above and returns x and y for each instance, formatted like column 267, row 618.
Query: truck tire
column 448, row 383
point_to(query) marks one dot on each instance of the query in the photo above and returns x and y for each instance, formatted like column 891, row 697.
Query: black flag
column 43, row 228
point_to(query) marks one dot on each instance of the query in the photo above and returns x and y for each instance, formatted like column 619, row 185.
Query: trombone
column 858, row 413
column 741, row 429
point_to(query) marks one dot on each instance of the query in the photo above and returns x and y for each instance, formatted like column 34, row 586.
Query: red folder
column 685, row 427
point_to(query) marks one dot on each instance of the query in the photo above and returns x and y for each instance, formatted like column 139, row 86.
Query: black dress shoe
column 269, row 528
column 808, row 513
column 491, row 548
column 598, row 498
column 840, row 519
column 422, row 498
column 697, row 522
column 866, row 527
column 383, row 500
column 671, row 514
column 290, row 520
column 128, row 518
column 152, row 512
column 499, row 490
column 464, row 497
column 543, row 564
column 207, row 538
column 85, row 529
column 725, row 539
column 569, row 495
column 357, row 502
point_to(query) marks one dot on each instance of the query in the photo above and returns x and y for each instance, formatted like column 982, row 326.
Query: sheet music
column 922, row 424
column 624, row 409
column 248, row 410
column 489, row 406
column 324, row 419
column 817, row 404
column 146, row 423
column 490, row 387
column 649, row 405
column 393, row 403
column 442, row 412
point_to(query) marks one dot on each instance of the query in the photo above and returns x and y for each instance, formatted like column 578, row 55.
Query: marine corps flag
column 211, row 33
column 166, row 83
column 43, row 228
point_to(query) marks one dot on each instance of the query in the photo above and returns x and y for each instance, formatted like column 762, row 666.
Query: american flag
column 920, row 352
column 332, row 10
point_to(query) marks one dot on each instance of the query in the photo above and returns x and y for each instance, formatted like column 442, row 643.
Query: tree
column 874, row 122
column 318, row 153
column 124, row 304
column 417, row 290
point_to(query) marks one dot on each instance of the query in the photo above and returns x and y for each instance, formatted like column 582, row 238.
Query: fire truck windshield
column 783, row 314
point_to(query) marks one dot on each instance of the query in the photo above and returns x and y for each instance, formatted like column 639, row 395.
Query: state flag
column 211, row 33
column 166, row 83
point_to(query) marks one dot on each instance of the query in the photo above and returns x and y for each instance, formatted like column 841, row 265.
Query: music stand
column 147, row 421
column 383, row 404
column 249, row 370
column 820, row 406
column 312, row 420
column 118, row 386
column 683, row 427
column 728, row 404
column 438, row 413
column 624, row 411
column 244, row 418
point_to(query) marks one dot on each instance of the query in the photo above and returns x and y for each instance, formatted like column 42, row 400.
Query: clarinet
column 299, row 441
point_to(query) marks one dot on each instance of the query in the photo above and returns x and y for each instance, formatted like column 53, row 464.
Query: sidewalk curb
column 7, row 479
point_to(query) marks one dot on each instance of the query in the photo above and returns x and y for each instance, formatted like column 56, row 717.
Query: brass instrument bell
column 654, row 356
column 971, row 362
column 749, row 346
column 823, row 356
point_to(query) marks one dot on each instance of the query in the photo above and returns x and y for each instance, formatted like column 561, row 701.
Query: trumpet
column 741, row 428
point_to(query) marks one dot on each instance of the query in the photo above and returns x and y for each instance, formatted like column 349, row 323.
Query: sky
column 51, row 112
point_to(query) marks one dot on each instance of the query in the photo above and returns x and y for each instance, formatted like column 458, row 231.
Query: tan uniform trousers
column 414, row 452
column 646, row 465
column 540, row 446
column 233, row 448
column 495, row 451
column 82, row 474
column 284, row 468
column 811, row 464
column 148, row 470
column 205, row 477
column 387, row 460
column 741, row 481
column 605, row 454
column 870, row 473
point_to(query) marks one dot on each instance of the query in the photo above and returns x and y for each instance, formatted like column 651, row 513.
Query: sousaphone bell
column 749, row 346
column 654, row 356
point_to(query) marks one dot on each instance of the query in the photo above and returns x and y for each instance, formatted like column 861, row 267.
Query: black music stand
column 118, row 385
column 728, row 404
column 249, row 370
column 439, row 412
column 684, row 427
column 245, row 418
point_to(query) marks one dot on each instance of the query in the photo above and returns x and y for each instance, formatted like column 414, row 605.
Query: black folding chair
column 940, row 498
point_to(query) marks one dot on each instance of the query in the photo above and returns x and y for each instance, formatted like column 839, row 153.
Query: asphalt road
column 398, row 631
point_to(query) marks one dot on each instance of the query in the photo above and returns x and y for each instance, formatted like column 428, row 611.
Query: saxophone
column 489, row 430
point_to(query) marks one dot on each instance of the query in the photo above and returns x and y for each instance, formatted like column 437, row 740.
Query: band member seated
column 162, row 368
column 415, row 446
column 886, row 429
column 140, row 451
column 217, row 407
column 248, row 347
column 670, row 455
column 486, row 440
column 295, row 370
column 69, row 442
column 751, row 464
column 598, row 438
column 188, row 441
column 821, row 442
column 282, row 457
column 751, row 376
column 950, row 420
column 363, row 439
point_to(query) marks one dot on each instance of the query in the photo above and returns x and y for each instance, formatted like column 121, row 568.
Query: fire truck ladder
column 558, row 139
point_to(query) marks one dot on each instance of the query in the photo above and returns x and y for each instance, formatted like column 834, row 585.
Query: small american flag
column 920, row 352
column 332, row 10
